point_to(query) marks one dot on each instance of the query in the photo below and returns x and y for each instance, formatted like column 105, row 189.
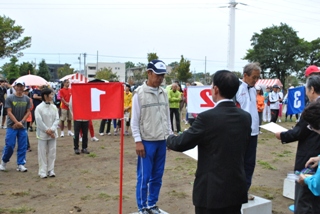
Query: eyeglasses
column 312, row 129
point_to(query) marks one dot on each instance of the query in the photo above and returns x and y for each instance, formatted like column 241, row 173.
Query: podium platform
column 288, row 188
column 258, row 205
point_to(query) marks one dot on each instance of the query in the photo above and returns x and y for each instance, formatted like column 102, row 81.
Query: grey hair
column 314, row 81
column 255, row 66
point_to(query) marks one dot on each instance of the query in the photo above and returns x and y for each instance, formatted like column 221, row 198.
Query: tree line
column 278, row 49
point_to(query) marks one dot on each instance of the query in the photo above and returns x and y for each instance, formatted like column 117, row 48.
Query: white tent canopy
column 268, row 82
column 75, row 78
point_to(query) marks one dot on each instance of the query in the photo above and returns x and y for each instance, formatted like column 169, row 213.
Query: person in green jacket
column 174, row 102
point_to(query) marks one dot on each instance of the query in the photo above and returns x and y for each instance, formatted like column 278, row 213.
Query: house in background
column 117, row 67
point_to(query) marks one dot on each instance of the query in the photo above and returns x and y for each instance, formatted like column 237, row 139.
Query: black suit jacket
column 222, row 135
column 308, row 143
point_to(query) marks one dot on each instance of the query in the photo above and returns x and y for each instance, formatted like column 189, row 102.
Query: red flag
column 97, row 100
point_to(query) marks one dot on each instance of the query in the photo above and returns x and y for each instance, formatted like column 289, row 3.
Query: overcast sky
column 126, row 30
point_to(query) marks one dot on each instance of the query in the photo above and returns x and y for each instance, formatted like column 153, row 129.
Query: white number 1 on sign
column 95, row 99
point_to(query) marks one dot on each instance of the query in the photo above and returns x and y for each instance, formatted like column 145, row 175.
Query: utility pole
column 79, row 58
column 97, row 62
column 84, row 63
column 231, row 48
column 205, row 70
column 232, row 8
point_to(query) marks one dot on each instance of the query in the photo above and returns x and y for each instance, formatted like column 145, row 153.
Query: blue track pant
column 149, row 173
column 11, row 136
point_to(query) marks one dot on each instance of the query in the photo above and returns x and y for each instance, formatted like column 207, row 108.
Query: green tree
column 139, row 77
column 11, row 70
column 152, row 56
column 311, row 55
column 65, row 70
column 183, row 70
column 277, row 49
column 129, row 65
column 107, row 74
column 10, row 44
column 142, row 68
column 44, row 70
column 26, row 68
column 238, row 74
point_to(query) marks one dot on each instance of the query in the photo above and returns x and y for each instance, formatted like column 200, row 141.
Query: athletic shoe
column 115, row 133
column 62, row 134
column 94, row 139
column 85, row 151
column 3, row 127
column 154, row 210
column 126, row 133
column 30, row 129
column 279, row 121
column 144, row 211
column 77, row 152
column 260, row 132
column 3, row 166
column 21, row 168
column 51, row 174
column 70, row 133
column 43, row 176
column 250, row 197
column 109, row 134
column 101, row 134
column 80, row 139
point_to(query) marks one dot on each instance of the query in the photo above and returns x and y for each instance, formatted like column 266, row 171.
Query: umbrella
column 32, row 80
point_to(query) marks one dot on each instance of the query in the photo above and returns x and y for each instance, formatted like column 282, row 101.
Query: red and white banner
column 97, row 100
column 199, row 99
column 75, row 78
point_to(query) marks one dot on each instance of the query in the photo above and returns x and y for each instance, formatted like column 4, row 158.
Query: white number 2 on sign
column 95, row 99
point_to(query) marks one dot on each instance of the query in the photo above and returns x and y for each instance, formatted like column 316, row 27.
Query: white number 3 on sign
column 95, row 99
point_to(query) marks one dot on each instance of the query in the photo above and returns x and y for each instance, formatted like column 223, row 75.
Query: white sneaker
column 70, row 133
column 94, row 139
column 279, row 121
column 101, row 134
column 3, row 166
column 62, row 134
column 51, row 174
column 109, row 133
column 80, row 139
column 21, row 168
column 43, row 176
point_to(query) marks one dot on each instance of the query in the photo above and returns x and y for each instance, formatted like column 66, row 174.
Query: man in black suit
column 222, row 135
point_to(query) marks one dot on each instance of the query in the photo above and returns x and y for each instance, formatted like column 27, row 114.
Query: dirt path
column 90, row 183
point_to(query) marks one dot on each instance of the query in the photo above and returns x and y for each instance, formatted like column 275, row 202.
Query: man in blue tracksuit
column 18, row 110
column 150, row 125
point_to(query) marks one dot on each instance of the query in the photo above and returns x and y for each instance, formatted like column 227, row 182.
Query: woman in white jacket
column 47, row 119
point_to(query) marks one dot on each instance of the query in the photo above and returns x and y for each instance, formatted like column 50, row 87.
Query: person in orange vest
column 260, row 104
